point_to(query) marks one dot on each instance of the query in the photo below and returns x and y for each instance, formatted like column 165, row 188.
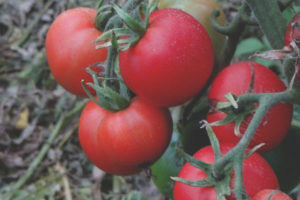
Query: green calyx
column 111, row 93
column 221, row 184
column 234, row 113
column 220, row 180
column 135, row 22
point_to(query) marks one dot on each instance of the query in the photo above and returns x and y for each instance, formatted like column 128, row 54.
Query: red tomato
column 277, row 195
column 293, row 33
column 127, row 141
column 171, row 62
column 257, row 175
column 90, row 118
column 236, row 79
column 70, row 48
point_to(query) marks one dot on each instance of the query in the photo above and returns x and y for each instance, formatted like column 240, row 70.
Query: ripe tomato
column 171, row 62
column 90, row 118
column 201, row 10
column 127, row 141
column 257, row 175
column 70, row 48
column 236, row 79
column 276, row 195
column 293, row 33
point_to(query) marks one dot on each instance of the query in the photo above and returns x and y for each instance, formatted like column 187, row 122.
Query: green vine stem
column 265, row 101
column 270, row 19
column 239, row 188
column 129, row 7
column 30, row 171
column 234, row 30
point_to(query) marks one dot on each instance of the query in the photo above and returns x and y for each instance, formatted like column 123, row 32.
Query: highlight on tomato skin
column 271, row 194
column 236, row 79
column 70, row 48
column 171, row 62
column 201, row 10
column 127, row 141
column 257, row 175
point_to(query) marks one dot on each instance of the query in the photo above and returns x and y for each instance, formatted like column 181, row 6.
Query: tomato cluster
column 169, row 64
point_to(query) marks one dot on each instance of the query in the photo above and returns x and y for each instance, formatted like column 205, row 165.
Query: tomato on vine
column 201, row 10
column 126, row 141
column 172, row 60
column 90, row 118
column 237, row 79
column 257, row 175
column 70, row 48
column 292, row 31
column 271, row 194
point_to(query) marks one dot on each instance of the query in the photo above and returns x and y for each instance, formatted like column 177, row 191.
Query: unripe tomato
column 70, row 48
column 274, row 194
column 171, row 62
column 237, row 79
column 127, row 141
column 257, row 175
column 201, row 10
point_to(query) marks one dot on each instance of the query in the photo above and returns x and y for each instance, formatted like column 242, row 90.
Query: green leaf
column 249, row 46
column 270, row 20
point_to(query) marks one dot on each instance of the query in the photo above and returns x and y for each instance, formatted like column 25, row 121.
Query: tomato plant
column 126, row 141
column 271, row 194
column 257, row 175
column 70, row 48
column 172, row 60
column 90, row 118
column 236, row 79
column 201, row 10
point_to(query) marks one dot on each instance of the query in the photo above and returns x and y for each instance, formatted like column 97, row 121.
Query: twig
column 67, row 190
column 27, row 32
column 62, row 121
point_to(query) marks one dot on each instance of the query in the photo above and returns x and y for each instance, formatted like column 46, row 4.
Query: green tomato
column 201, row 10
column 168, row 165
column 190, row 138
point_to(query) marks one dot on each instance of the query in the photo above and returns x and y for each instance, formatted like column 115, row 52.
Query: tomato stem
column 234, row 30
column 270, row 20
column 236, row 155
column 129, row 7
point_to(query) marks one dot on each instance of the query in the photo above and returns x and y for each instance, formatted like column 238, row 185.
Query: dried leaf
column 22, row 121
column 274, row 54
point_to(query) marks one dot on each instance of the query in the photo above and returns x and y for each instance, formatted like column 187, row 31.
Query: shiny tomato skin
column 236, row 79
column 277, row 195
column 201, row 10
column 171, row 62
column 127, row 141
column 136, row 136
column 292, row 33
column 90, row 118
column 70, row 48
column 257, row 175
